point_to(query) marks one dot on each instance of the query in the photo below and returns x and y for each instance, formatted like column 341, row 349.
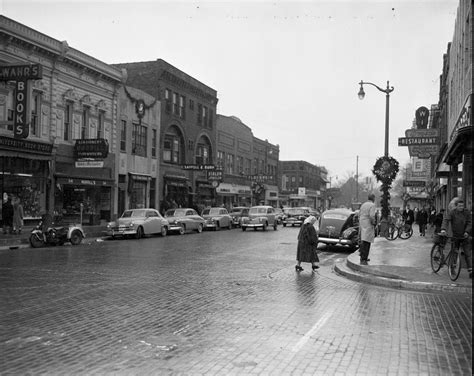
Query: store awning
column 142, row 177
column 176, row 180
column 233, row 189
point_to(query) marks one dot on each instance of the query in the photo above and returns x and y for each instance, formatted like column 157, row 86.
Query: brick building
column 187, row 130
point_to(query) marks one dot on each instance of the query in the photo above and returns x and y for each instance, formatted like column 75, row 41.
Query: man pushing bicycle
column 461, row 226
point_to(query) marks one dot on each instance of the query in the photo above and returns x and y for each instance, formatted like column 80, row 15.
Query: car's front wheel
column 139, row 233
column 182, row 230
column 199, row 228
column 164, row 231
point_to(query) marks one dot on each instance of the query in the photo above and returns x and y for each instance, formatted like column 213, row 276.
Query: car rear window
column 258, row 211
column 341, row 217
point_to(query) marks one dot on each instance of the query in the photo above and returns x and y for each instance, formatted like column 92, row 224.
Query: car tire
column 164, row 231
column 265, row 225
column 230, row 225
column 182, row 230
column 199, row 228
column 76, row 237
column 139, row 233
column 275, row 226
column 244, row 228
column 284, row 224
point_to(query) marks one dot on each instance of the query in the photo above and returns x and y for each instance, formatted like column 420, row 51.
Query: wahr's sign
column 21, row 74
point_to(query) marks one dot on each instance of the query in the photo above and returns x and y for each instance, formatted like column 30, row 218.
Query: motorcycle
column 43, row 234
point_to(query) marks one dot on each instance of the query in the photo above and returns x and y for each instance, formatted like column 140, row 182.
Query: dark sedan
column 340, row 227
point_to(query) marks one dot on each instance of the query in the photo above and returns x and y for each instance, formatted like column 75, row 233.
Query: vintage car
column 339, row 227
column 216, row 218
column 237, row 212
column 182, row 220
column 296, row 216
column 138, row 223
column 260, row 217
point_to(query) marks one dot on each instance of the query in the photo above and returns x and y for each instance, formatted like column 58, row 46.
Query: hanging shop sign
column 89, row 164
column 91, row 148
column 422, row 143
column 21, row 72
column 215, row 175
column 414, row 183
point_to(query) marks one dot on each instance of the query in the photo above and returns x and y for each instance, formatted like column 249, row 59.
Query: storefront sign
column 233, row 189
column 21, row 128
column 91, row 148
column 79, row 181
column 216, row 175
column 26, row 145
column 198, row 167
column 422, row 143
column 414, row 183
column 259, row 178
column 21, row 72
column 90, row 164
column 408, row 141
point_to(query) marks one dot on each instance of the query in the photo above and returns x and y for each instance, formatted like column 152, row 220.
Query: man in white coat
column 367, row 230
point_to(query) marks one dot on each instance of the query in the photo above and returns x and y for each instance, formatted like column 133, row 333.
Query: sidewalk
column 13, row 241
column 403, row 264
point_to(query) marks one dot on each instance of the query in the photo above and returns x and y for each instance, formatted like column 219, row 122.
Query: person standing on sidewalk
column 307, row 244
column 17, row 215
column 461, row 226
column 7, row 213
column 422, row 220
column 367, row 232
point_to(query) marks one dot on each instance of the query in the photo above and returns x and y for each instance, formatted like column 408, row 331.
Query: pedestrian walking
column 438, row 221
column 17, row 215
column 367, row 232
column 408, row 216
column 422, row 220
column 7, row 214
column 307, row 244
column 461, row 226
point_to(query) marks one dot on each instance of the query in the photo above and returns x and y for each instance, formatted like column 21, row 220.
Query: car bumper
column 292, row 222
column 174, row 227
column 121, row 231
column 336, row 241
column 252, row 224
column 210, row 225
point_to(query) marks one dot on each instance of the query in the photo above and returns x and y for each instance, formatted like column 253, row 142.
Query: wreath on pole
column 385, row 170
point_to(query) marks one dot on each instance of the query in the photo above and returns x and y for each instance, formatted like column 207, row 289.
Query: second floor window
column 182, row 108
column 168, row 101
column 202, row 154
column 35, row 114
column 139, row 140
column 240, row 165
column 100, row 125
column 175, row 104
column 220, row 160
column 199, row 114
column 153, row 142
column 123, row 135
column 68, row 121
column 171, row 149
column 85, row 122
column 229, row 165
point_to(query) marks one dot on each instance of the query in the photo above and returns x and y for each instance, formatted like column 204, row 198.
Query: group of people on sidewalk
column 12, row 215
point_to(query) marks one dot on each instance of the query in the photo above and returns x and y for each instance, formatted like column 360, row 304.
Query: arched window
column 203, row 151
column 173, row 146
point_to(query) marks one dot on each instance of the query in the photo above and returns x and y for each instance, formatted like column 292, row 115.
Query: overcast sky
column 289, row 70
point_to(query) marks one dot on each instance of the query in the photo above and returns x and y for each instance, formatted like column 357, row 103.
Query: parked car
column 260, row 217
column 340, row 227
column 216, row 218
column 296, row 216
column 184, row 219
column 237, row 213
column 138, row 223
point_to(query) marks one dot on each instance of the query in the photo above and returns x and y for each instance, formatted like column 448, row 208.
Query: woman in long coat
column 307, row 244
column 17, row 215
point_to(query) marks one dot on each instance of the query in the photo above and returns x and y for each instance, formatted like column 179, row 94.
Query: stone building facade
column 66, row 163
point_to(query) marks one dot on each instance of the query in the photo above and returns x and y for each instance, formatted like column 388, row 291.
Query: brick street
column 226, row 303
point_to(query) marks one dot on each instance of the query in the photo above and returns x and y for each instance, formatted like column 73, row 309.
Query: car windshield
column 133, row 213
column 175, row 213
column 236, row 210
column 210, row 211
column 258, row 211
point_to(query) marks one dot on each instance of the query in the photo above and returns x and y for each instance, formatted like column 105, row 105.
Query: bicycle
column 405, row 231
column 452, row 260
column 392, row 232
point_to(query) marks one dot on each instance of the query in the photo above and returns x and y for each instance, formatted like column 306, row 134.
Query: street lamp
column 387, row 91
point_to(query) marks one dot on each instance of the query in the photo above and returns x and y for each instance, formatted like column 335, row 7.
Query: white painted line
column 313, row 330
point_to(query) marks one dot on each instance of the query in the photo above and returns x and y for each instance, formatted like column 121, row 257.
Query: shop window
column 123, row 135
column 35, row 114
column 100, row 125
column 138, row 194
column 139, row 140
column 7, row 113
column 68, row 121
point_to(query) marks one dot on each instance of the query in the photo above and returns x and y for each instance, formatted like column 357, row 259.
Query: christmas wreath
column 386, row 169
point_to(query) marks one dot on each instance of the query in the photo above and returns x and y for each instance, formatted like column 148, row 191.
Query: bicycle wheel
column 392, row 232
column 454, row 264
column 436, row 257
column 405, row 232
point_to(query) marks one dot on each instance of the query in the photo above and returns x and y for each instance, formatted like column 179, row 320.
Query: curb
column 344, row 268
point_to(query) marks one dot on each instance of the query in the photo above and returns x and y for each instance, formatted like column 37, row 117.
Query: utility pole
column 357, row 179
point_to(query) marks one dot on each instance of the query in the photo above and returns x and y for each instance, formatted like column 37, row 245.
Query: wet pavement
column 225, row 303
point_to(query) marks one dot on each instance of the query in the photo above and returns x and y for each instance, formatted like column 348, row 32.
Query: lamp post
column 387, row 92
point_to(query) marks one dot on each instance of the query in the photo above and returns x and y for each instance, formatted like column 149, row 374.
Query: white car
column 216, row 218
column 138, row 223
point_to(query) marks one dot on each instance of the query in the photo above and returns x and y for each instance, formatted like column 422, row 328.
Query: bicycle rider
column 461, row 225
